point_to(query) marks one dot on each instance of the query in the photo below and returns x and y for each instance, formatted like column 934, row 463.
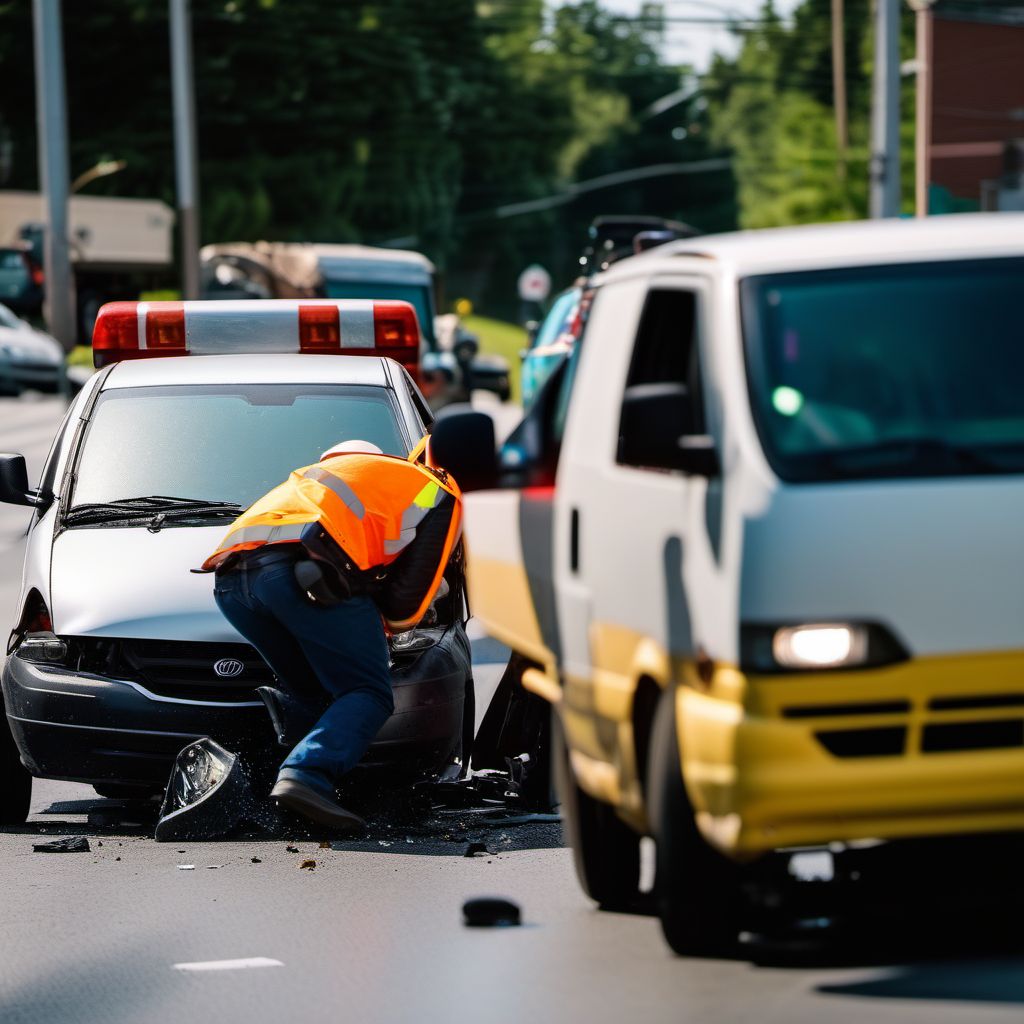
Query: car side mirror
column 462, row 442
column 14, row 489
column 655, row 431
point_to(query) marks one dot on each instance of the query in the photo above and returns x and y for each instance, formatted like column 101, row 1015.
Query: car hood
column 30, row 345
column 936, row 561
column 128, row 582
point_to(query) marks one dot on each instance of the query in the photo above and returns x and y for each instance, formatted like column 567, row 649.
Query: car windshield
column 222, row 443
column 557, row 319
column 910, row 370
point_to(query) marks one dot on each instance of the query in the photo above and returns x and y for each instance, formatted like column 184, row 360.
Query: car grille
column 950, row 724
column 175, row 668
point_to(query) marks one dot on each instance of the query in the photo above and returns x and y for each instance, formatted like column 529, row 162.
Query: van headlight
column 817, row 647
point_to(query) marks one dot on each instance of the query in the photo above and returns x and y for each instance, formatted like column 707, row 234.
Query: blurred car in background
column 612, row 237
column 21, row 279
column 28, row 358
column 551, row 343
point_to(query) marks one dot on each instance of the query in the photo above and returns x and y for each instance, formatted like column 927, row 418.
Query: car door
column 622, row 543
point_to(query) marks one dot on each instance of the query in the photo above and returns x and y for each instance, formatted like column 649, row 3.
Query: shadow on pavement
column 392, row 828
column 988, row 981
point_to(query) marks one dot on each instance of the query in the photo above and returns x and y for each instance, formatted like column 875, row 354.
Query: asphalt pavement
column 135, row 931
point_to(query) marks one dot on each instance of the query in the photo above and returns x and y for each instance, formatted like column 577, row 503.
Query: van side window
column 666, row 350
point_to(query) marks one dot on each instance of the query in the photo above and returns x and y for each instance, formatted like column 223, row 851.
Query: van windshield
column 418, row 296
column 222, row 443
column 888, row 371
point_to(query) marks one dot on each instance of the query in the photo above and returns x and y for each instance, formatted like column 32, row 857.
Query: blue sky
column 695, row 43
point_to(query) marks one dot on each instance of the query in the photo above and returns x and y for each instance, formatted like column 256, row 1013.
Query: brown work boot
column 305, row 800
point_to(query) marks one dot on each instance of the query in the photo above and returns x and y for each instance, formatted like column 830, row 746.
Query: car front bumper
column 89, row 728
column 16, row 377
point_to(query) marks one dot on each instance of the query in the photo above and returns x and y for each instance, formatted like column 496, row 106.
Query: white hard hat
column 351, row 448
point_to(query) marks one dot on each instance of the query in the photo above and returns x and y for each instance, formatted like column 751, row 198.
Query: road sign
column 534, row 283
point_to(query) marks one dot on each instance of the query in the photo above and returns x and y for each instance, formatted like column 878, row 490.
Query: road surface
column 374, row 933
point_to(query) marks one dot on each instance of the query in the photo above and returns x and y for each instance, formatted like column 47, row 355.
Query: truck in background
column 451, row 365
column 119, row 247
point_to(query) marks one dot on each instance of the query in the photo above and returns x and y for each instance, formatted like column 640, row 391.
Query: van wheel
column 605, row 851
column 15, row 779
column 697, row 889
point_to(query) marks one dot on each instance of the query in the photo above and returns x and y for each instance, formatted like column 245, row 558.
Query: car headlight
column 817, row 647
column 42, row 648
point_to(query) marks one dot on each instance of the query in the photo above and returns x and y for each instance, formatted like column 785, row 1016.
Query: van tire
column 697, row 890
column 15, row 779
column 605, row 851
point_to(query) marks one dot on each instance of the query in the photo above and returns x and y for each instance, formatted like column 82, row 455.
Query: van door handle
column 574, row 540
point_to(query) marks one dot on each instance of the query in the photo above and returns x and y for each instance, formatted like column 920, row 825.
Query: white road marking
column 229, row 965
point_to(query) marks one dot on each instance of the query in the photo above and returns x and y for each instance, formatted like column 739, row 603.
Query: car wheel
column 605, row 850
column 15, row 779
column 697, row 889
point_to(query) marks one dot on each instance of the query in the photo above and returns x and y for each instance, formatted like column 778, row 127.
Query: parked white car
column 28, row 358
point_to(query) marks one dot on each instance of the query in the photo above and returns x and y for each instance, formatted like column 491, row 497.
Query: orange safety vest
column 372, row 506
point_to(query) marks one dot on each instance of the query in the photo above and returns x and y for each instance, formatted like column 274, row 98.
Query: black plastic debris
column 490, row 912
column 72, row 844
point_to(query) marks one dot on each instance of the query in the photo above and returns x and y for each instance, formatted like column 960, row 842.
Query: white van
column 766, row 563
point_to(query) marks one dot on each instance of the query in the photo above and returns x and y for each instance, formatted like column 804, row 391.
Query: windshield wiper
column 157, row 506
column 904, row 456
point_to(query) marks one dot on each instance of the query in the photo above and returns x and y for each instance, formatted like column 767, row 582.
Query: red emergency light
column 140, row 330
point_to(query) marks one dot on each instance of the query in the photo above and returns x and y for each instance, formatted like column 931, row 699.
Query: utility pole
column 839, row 86
column 185, row 145
column 885, row 112
column 923, row 106
column 52, row 133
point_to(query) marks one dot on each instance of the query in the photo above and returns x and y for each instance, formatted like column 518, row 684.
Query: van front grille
column 991, row 735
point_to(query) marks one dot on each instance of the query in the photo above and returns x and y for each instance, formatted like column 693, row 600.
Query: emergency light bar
column 139, row 330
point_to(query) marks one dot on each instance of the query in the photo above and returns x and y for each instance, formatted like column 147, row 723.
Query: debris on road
column 255, row 860
column 213, row 867
column 72, row 844
column 291, row 849
column 186, row 867
column 475, row 849
column 309, row 864
column 491, row 912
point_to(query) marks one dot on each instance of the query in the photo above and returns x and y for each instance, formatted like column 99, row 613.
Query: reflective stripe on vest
column 427, row 500
column 266, row 534
column 339, row 487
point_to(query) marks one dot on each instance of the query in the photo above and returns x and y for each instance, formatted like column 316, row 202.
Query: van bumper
column 927, row 748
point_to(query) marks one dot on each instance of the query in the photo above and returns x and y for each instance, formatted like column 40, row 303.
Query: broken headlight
column 198, row 770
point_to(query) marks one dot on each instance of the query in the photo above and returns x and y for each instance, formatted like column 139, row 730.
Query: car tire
column 605, row 850
column 15, row 779
column 697, row 890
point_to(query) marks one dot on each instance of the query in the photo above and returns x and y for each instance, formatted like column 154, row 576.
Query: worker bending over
column 306, row 575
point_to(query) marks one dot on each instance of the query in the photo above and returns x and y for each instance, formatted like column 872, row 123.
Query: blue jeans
column 342, row 648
